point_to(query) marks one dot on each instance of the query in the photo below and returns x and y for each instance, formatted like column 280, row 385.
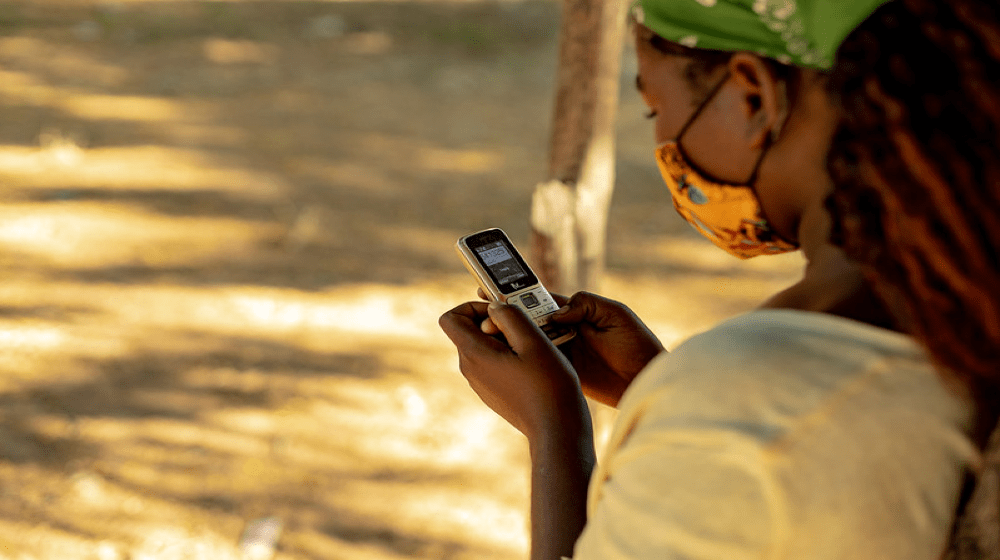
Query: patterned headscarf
column 799, row 32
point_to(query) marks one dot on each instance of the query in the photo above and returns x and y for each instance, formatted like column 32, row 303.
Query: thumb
column 580, row 308
column 519, row 330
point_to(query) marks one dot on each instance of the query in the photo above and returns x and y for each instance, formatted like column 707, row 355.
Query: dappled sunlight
column 54, row 58
column 395, row 438
column 222, row 51
column 347, row 173
column 371, row 312
column 335, row 319
column 153, row 168
column 444, row 512
column 432, row 158
column 395, row 435
column 130, row 108
column 38, row 339
column 466, row 161
column 87, row 235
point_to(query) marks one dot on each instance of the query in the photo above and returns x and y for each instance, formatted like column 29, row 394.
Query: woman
column 804, row 429
column 917, row 165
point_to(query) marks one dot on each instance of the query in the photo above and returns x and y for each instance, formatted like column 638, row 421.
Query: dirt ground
column 226, row 235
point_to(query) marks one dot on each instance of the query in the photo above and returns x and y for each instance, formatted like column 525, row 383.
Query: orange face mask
column 729, row 215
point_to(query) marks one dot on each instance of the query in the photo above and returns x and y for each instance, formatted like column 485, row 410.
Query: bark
column 569, row 210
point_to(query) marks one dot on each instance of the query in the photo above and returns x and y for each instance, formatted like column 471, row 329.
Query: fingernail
column 561, row 311
column 495, row 306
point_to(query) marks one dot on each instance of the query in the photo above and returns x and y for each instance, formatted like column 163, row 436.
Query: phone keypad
column 530, row 301
column 539, row 305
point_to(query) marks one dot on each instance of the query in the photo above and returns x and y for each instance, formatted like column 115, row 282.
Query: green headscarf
column 799, row 32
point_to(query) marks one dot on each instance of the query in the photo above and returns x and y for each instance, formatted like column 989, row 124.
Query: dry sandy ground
column 225, row 233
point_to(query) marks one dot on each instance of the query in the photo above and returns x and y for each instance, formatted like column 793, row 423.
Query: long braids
column 916, row 162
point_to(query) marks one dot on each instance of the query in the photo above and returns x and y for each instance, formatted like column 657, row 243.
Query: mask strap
column 711, row 94
column 701, row 107
column 756, row 167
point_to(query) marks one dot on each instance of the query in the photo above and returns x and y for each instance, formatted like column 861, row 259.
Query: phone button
column 529, row 300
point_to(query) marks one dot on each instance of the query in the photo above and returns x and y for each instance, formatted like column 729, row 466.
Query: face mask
column 729, row 215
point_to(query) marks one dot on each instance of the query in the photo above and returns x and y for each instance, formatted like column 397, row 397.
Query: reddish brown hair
column 916, row 162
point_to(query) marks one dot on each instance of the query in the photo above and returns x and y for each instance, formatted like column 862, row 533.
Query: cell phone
column 505, row 277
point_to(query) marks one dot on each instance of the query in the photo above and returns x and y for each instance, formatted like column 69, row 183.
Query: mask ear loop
column 701, row 107
column 751, row 183
column 768, row 140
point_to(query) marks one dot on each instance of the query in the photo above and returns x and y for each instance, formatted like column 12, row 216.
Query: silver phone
column 504, row 276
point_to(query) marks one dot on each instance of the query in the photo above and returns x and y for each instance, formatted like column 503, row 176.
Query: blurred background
column 226, row 234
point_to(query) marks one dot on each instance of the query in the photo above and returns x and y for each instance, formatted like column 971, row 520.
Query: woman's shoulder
column 773, row 368
column 777, row 335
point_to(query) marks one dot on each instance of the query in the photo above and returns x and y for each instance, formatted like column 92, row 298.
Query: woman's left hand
column 526, row 379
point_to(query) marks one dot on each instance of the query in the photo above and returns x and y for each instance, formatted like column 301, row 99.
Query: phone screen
column 501, row 260
column 503, row 267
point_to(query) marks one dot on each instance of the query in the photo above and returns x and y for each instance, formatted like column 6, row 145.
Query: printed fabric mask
column 729, row 215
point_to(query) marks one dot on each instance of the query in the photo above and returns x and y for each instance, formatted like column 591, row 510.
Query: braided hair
column 916, row 161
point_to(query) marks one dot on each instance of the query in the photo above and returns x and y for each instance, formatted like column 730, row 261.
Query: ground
column 226, row 235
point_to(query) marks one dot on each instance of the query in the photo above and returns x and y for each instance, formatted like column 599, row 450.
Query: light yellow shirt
column 782, row 435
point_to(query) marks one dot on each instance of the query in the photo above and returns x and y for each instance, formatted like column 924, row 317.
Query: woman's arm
column 528, row 382
column 561, row 465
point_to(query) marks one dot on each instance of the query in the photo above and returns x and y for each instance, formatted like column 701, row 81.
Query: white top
column 782, row 434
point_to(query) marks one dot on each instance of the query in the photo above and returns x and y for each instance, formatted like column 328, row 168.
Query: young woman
column 804, row 429
column 917, row 203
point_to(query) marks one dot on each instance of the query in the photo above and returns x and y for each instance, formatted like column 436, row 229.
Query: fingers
column 471, row 310
column 463, row 326
column 489, row 327
column 583, row 307
column 455, row 322
column 519, row 330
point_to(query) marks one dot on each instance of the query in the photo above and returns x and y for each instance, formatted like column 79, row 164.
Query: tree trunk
column 569, row 211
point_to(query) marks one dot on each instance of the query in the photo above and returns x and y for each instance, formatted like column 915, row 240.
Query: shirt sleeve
column 685, row 495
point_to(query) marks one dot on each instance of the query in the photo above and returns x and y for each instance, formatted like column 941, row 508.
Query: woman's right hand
column 612, row 345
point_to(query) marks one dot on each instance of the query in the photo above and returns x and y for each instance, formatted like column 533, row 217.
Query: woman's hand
column 522, row 377
column 611, row 346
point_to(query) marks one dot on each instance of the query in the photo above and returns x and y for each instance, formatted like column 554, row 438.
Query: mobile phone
column 504, row 276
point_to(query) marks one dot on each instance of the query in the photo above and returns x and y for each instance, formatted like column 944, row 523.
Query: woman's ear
column 764, row 97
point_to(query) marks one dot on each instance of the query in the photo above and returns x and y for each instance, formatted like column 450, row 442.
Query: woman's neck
column 830, row 283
